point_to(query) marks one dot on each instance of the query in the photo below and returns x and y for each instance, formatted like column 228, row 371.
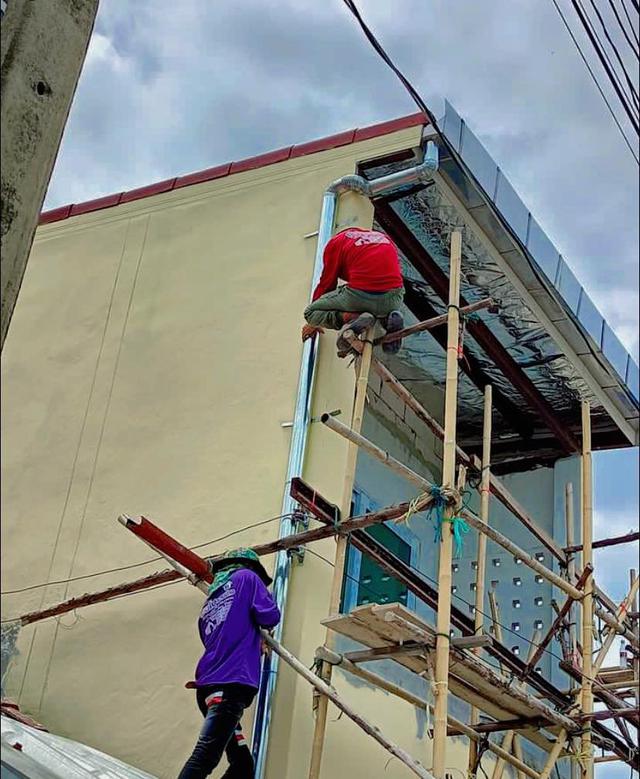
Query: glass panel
column 479, row 162
column 590, row 318
column 512, row 208
column 568, row 286
column 633, row 378
column 614, row 351
column 543, row 251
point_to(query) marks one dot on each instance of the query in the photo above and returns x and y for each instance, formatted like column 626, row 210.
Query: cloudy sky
column 169, row 88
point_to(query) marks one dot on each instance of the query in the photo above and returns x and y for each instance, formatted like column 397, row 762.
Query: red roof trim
column 229, row 168
column 96, row 205
column 331, row 142
column 55, row 215
column 203, row 175
column 270, row 158
column 151, row 189
column 394, row 126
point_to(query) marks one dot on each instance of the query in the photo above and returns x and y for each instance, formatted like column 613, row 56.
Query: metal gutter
column 302, row 417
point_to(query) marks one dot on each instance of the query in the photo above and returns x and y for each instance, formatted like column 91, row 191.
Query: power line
column 143, row 562
column 611, row 76
column 595, row 81
column 350, row 4
column 634, row 47
column 630, row 84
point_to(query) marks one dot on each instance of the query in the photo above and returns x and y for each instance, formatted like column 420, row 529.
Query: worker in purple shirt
column 228, row 673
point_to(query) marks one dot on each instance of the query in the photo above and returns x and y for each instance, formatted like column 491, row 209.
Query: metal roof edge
column 570, row 298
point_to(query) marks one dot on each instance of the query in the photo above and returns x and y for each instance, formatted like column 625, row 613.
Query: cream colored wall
column 152, row 358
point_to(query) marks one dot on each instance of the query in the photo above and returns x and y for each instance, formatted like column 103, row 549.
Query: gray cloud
column 170, row 88
column 173, row 87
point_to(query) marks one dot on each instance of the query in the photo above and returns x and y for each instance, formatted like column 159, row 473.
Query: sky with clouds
column 169, row 88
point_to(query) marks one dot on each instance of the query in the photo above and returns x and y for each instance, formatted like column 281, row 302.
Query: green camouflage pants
column 327, row 310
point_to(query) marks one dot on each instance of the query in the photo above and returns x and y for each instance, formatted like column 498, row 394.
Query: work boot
column 355, row 328
column 393, row 323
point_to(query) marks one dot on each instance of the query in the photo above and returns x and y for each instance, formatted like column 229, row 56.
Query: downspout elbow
column 351, row 183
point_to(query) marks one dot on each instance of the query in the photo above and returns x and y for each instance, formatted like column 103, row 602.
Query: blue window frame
column 364, row 581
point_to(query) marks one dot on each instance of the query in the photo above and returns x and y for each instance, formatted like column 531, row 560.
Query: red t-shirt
column 366, row 259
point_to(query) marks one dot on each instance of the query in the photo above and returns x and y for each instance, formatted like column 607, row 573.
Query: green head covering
column 234, row 560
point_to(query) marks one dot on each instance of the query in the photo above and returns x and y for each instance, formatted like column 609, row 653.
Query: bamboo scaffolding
column 455, row 725
column 498, row 489
column 636, row 629
column 509, row 738
column 472, row 519
column 602, row 543
column 308, row 536
column 586, row 747
column 481, row 558
column 569, row 519
column 623, row 608
column 562, row 612
column 553, row 756
column 570, row 526
column 435, row 321
column 320, row 726
column 443, row 619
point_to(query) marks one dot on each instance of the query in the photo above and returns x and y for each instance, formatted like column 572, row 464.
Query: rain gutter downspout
column 302, row 417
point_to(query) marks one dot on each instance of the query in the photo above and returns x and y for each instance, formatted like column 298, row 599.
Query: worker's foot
column 352, row 329
column 393, row 323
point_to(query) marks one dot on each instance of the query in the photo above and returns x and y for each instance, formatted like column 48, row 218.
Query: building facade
column 152, row 367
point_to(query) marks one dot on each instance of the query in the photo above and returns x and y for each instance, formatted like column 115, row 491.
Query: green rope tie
column 436, row 515
column 460, row 529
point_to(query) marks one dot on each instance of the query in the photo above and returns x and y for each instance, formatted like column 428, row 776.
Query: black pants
column 222, row 707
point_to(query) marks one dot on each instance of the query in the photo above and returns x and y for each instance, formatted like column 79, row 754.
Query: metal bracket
column 297, row 553
column 335, row 413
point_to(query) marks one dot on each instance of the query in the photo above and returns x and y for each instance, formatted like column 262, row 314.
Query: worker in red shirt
column 367, row 260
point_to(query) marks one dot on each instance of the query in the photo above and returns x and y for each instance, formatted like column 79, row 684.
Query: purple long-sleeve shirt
column 229, row 629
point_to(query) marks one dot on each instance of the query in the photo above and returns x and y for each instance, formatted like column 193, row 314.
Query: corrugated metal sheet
column 64, row 758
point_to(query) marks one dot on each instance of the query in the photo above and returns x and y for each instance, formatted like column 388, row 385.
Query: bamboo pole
column 498, row 680
column 472, row 519
column 569, row 519
column 553, row 756
column 623, row 608
column 498, row 489
column 570, row 533
column 328, row 693
column 394, row 689
column 482, row 547
column 636, row 628
column 586, row 747
column 320, row 726
column 518, row 754
column 497, row 630
column 509, row 738
column 526, row 558
column 446, row 547
column 435, row 321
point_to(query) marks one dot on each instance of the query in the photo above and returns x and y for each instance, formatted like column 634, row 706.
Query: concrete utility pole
column 43, row 48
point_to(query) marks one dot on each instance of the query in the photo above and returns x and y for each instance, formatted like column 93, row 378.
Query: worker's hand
column 309, row 331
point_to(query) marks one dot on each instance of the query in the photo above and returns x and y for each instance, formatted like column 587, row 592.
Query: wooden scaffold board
column 389, row 625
